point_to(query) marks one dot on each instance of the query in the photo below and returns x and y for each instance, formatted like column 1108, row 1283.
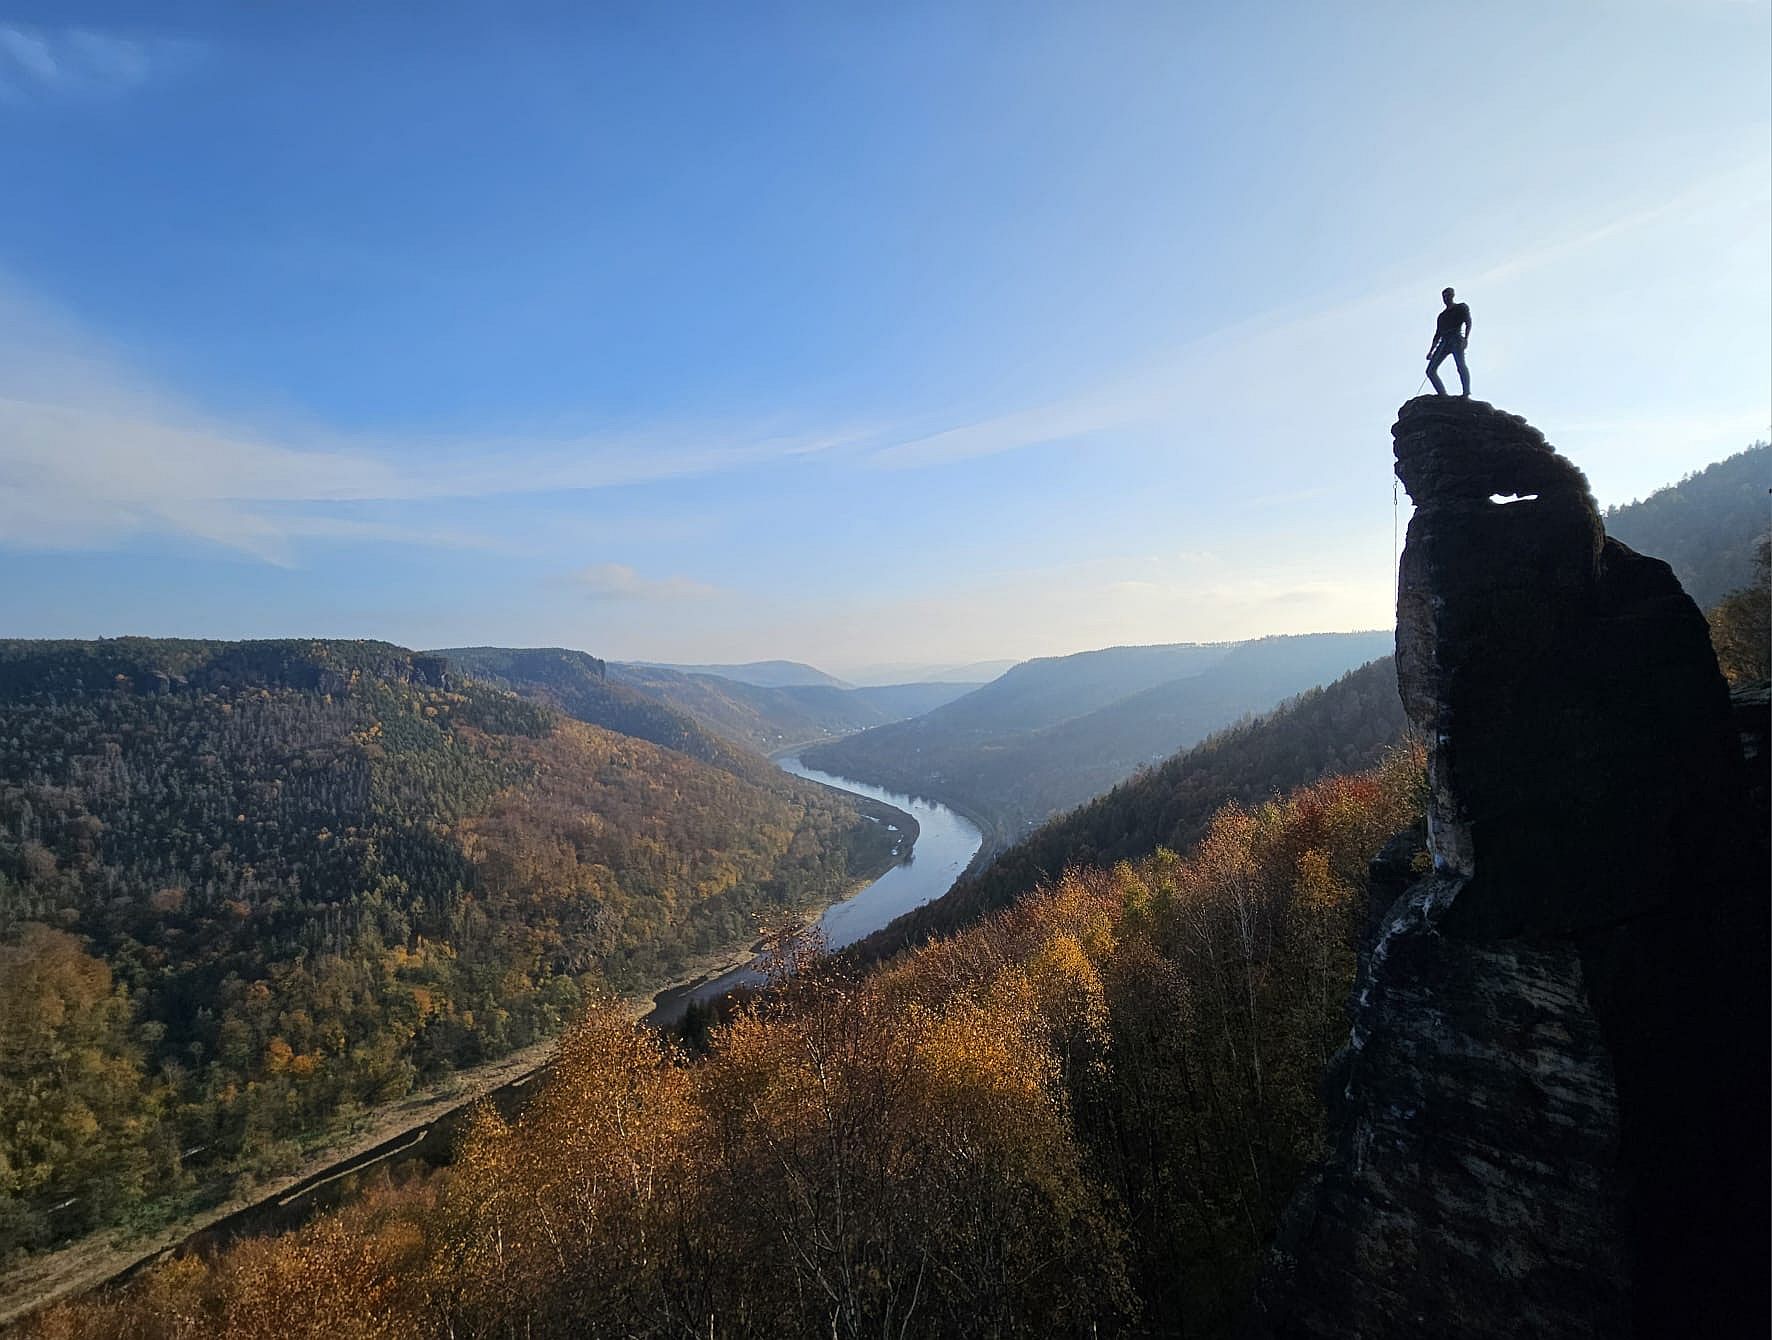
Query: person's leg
column 1433, row 368
column 1464, row 375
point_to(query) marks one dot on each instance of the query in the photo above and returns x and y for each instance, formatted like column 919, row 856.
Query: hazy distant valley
column 1050, row 734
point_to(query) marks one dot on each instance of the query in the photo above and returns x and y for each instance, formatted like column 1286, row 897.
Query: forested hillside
column 1081, row 1118
column 247, row 888
column 1705, row 526
column 1050, row 735
column 1344, row 727
column 579, row 685
column 1051, row 689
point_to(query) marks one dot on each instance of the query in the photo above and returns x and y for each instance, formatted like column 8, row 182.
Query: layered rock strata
column 1551, row 1115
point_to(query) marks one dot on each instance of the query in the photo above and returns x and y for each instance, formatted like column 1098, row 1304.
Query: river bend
column 946, row 843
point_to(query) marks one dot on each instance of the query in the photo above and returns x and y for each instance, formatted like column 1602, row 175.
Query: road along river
column 945, row 846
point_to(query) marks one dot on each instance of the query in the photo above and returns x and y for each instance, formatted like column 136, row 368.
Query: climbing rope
column 1396, row 510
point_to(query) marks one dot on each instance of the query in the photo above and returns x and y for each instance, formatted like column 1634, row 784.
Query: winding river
column 946, row 843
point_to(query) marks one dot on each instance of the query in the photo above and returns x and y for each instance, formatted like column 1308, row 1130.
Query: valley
column 262, row 891
column 1051, row 734
column 422, row 1126
column 806, row 672
column 237, row 829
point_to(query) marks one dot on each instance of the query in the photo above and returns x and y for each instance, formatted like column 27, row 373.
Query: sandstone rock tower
column 1551, row 1117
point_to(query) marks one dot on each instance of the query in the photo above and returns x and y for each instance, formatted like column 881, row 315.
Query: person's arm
column 1467, row 324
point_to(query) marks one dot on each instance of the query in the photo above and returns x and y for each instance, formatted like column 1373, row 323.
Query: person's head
column 1446, row 296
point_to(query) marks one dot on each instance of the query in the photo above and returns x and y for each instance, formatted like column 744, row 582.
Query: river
column 946, row 843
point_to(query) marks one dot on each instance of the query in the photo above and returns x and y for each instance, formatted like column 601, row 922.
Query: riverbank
column 424, row 1124
column 995, row 831
column 930, row 851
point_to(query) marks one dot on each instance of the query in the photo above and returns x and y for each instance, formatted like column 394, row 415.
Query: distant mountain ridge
column 1051, row 689
column 1052, row 733
column 763, row 674
column 771, row 719
column 918, row 672
column 1343, row 727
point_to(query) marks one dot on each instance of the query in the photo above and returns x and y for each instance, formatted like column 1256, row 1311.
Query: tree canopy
column 247, row 889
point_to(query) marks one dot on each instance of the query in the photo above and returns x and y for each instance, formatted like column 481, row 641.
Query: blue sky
column 854, row 332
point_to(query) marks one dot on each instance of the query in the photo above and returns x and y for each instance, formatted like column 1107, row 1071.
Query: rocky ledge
column 1551, row 1115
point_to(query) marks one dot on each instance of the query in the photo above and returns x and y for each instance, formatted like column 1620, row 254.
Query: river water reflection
column 946, row 844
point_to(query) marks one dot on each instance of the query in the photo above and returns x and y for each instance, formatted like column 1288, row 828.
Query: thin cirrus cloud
column 76, row 478
column 92, row 457
column 82, row 62
column 617, row 581
column 1060, row 422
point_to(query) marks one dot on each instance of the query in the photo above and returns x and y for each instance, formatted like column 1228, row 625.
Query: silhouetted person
column 1450, row 332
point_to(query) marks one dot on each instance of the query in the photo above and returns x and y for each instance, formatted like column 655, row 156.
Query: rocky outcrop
column 1551, row 1115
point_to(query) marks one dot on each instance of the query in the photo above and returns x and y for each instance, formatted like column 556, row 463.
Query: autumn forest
column 1079, row 1117
column 249, row 890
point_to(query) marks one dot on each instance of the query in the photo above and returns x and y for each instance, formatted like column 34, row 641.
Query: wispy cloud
column 1746, row 180
column 617, row 581
column 81, row 62
column 92, row 456
column 1064, row 421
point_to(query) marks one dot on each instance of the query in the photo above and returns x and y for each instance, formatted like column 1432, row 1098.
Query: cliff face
column 1551, row 1115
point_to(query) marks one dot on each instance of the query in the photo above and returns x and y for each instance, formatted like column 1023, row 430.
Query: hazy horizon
column 925, row 336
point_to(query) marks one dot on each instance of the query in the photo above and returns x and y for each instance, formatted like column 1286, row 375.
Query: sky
column 853, row 333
